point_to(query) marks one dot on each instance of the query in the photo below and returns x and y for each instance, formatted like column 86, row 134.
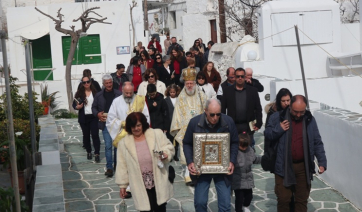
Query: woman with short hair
column 151, row 77
column 143, row 158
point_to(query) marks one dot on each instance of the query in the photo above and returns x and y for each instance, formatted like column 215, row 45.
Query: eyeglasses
column 239, row 76
column 201, row 78
column 86, row 82
column 158, row 58
column 231, row 77
column 151, row 76
column 215, row 114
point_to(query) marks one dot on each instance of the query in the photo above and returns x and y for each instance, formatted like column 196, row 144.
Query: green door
column 42, row 57
column 78, row 55
column 91, row 45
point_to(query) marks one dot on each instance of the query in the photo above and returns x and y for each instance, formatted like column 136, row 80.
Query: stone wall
column 341, row 132
column 48, row 194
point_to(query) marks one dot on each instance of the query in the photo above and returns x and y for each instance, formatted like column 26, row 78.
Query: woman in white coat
column 151, row 77
column 138, row 155
column 204, row 86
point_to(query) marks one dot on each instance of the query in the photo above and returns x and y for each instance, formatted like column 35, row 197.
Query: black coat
column 164, row 76
column 253, row 107
column 199, row 62
column 119, row 81
column 159, row 113
column 174, row 45
column 223, row 85
column 99, row 104
column 81, row 113
column 256, row 84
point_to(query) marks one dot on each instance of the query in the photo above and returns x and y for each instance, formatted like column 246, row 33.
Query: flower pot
column 21, row 181
column 46, row 110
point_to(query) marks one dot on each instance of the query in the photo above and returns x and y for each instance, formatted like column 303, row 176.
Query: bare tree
column 75, row 35
column 134, row 4
column 241, row 19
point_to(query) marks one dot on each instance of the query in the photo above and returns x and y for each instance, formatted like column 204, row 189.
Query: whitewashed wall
column 350, row 37
column 26, row 20
column 341, row 92
column 343, row 146
column 283, row 61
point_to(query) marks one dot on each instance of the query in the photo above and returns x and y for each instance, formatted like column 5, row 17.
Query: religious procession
column 173, row 107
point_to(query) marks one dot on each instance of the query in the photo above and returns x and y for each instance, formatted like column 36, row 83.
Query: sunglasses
column 215, row 114
column 239, row 76
column 151, row 76
column 158, row 58
column 201, row 78
column 86, row 82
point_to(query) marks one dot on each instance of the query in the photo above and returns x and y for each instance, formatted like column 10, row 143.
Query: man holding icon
column 102, row 102
column 211, row 121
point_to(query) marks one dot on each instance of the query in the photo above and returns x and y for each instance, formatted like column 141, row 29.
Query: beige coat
column 129, row 173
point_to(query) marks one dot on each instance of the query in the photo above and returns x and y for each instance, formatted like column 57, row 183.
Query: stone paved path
column 86, row 188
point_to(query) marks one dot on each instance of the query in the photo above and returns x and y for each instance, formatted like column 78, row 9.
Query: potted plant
column 22, row 143
column 20, row 146
column 48, row 99
column 7, row 201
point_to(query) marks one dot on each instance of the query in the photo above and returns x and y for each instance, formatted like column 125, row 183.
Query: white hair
column 107, row 77
column 249, row 69
column 209, row 101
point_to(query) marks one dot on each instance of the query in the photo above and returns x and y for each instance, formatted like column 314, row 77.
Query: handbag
column 171, row 170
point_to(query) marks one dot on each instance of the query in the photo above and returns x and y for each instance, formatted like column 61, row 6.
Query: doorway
column 213, row 31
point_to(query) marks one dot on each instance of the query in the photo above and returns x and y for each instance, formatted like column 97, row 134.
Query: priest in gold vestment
column 189, row 104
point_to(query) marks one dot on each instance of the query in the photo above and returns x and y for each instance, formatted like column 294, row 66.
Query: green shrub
column 7, row 201
column 64, row 113
column 20, row 104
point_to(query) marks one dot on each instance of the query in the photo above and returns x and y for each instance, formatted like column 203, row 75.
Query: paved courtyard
column 86, row 188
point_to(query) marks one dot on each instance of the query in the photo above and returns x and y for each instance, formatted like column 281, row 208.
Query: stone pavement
column 86, row 188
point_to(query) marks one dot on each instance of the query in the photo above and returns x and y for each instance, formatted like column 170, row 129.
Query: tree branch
column 58, row 23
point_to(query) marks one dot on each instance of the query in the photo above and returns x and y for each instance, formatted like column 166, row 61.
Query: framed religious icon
column 212, row 153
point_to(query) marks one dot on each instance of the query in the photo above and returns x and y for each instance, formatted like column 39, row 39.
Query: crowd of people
column 149, row 112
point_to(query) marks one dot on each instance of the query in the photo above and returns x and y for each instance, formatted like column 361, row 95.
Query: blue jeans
column 202, row 192
column 108, row 149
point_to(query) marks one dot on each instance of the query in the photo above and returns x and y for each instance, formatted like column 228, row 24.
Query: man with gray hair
column 249, row 80
column 100, row 107
column 211, row 121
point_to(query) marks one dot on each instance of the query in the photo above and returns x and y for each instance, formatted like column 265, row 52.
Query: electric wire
column 329, row 53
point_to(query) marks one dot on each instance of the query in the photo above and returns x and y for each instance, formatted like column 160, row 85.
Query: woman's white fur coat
column 129, row 172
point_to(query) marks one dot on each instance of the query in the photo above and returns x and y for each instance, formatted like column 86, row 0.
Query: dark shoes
column 109, row 173
column 128, row 195
column 89, row 156
column 97, row 159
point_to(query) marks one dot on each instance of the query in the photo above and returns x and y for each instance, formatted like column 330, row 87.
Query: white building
column 50, row 47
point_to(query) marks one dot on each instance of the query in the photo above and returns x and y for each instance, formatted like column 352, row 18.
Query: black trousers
column 153, row 201
column 91, row 127
column 243, row 197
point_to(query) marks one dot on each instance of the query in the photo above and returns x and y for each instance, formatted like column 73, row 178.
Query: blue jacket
column 197, row 125
column 274, row 131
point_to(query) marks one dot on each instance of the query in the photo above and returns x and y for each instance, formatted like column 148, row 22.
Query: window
column 42, row 58
column 89, row 44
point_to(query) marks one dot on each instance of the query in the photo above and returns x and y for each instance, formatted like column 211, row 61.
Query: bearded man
column 190, row 103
